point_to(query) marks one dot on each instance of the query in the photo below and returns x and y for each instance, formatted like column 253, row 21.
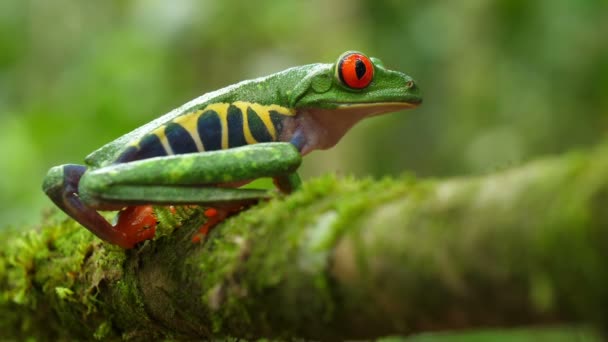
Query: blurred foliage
column 504, row 81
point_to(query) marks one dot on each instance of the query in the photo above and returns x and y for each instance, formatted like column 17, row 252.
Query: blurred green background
column 504, row 81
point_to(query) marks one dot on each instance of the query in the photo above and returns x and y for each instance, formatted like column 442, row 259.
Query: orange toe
column 214, row 216
column 137, row 223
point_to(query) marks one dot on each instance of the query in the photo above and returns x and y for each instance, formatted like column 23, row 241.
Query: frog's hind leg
column 194, row 178
column 61, row 185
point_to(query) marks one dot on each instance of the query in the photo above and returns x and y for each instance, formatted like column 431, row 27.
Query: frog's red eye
column 355, row 70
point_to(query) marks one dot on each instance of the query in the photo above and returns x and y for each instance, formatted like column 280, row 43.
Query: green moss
column 288, row 242
column 55, row 272
column 557, row 334
column 317, row 215
column 340, row 250
column 103, row 331
column 174, row 217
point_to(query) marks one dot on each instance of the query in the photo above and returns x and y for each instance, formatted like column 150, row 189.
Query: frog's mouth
column 376, row 108
column 324, row 127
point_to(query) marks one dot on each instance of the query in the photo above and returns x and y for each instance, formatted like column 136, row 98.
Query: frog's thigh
column 182, row 178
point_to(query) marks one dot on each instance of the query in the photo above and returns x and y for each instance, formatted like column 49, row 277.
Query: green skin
column 326, row 109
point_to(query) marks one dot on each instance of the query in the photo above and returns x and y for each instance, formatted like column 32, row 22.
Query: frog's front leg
column 178, row 179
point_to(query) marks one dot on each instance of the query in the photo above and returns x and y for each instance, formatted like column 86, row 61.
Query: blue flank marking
column 180, row 139
column 150, row 146
column 257, row 127
column 236, row 135
column 277, row 121
column 210, row 130
column 127, row 155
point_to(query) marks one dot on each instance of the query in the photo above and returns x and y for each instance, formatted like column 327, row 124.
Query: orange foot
column 215, row 216
column 138, row 223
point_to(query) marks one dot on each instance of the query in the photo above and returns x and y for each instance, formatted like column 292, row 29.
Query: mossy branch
column 341, row 258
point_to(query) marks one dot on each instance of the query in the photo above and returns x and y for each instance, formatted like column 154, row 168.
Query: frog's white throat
column 323, row 128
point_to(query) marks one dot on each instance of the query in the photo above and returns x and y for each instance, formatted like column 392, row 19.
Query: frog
column 204, row 151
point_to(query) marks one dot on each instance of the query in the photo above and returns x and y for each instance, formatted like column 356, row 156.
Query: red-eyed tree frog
column 201, row 152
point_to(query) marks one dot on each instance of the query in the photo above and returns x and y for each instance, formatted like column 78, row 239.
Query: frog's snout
column 412, row 88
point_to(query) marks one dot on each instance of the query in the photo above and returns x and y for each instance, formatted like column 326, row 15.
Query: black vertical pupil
column 360, row 69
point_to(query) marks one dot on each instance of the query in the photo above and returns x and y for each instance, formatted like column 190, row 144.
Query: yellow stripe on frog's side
column 263, row 112
column 160, row 133
column 222, row 111
column 190, row 123
column 190, row 120
column 243, row 106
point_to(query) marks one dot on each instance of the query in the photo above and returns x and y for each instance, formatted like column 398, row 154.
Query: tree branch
column 339, row 259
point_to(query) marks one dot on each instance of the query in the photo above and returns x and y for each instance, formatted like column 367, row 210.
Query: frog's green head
column 355, row 81
column 331, row 98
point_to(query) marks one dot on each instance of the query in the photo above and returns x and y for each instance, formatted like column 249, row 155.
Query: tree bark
column 338, row 259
